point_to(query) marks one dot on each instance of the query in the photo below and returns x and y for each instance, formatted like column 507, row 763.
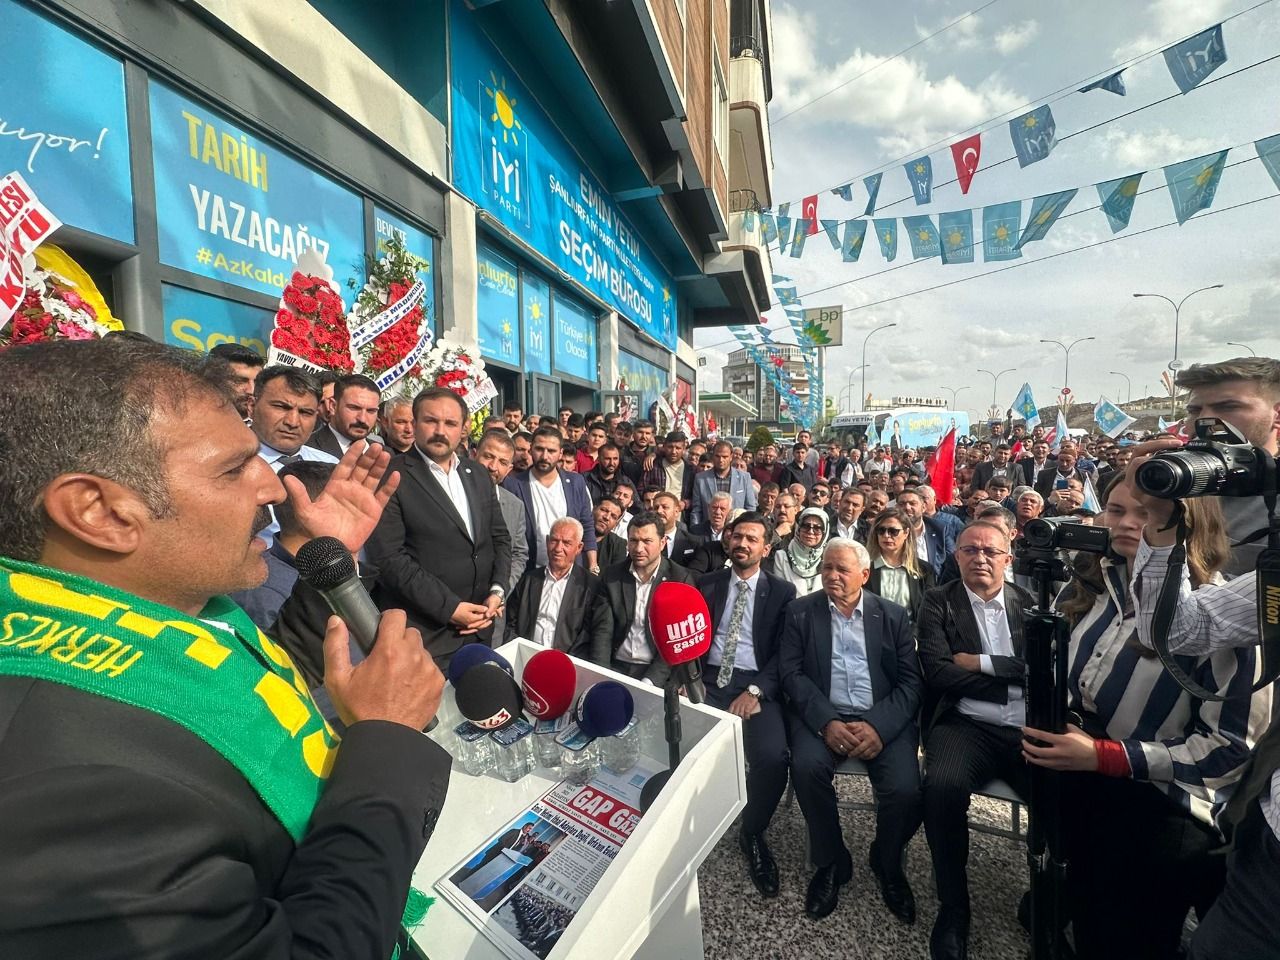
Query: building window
column 720, row 119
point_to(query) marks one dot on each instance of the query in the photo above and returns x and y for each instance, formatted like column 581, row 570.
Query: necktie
column 285, row 459
column 731, row 637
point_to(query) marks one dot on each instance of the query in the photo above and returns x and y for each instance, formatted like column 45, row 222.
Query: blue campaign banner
column 63, row 124
column 233, row 207
column 511, row 161
column 575, row 350
column 420, row 244
column 642, row 377
column 498, row 306
column 535, row 320
column 199, row 321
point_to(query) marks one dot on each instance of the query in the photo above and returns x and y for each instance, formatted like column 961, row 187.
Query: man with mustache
column 355, row 415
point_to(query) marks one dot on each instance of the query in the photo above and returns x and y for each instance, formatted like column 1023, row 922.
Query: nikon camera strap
column 1268, row 592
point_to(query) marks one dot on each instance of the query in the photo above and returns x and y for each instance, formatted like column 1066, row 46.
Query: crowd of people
column 861, row 617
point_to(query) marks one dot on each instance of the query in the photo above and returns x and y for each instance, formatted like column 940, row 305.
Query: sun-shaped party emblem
column 504, row 109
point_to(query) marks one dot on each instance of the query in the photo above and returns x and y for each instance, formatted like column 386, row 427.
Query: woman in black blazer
column 897, row 573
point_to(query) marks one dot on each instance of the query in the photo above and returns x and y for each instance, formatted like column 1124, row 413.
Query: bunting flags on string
column 887, row 234
column 786, row 295
column 831, row 228
column 1025, row 407
column 768, row 228
column 872, row 183
column 1033, row 135
column 1111, row 419
column 956, row 230
column 1112, row 83
column 844, row 191
column 1001, row 223
column 810, row 215
column 966, row 153
column 748, row 220
column 920, row 176
column 1117, row 198
column 1045, row 210
column 923, row 237
column 1196, row 57
column 1269, row 153
column 1193, row 183
column 799, row 235
column 855, row 232
column 784, row 229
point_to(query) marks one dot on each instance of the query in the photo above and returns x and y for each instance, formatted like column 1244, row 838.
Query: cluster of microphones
column 511, row 723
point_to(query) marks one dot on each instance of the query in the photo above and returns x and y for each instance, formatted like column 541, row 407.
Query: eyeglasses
column 811, row 527
column 888, row 531
column 989, row 552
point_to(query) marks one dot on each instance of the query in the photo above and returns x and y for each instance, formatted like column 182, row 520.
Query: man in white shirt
column 549, row 605
column 849, row 515
column 549, row 493
column 970, row 637
column 355, row 415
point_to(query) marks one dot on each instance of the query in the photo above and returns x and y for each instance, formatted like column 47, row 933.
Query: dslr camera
column 1217, row 462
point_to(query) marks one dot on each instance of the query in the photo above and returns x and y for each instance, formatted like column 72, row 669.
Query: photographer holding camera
column 1246, row 394
column 1151, row 765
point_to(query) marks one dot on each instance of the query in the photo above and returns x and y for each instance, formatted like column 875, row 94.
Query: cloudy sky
column 1010, row 56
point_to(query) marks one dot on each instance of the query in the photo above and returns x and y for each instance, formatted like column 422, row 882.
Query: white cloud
column 1170, row 21
column 1144, row 150
column 898, row 96
column 962, row 36
column 1016, row 36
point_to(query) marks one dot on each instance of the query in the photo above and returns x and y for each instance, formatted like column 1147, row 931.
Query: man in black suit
column 442, row 548
column 610, row 548
column 741, row 672
column 998, row 466
column 355, row 416
column 970, row 637
column 550, row 604
column 619, row 625
column 1040, row 459
column 1064, row 468
column 146, row 555
column 849, row 669
column 681, row 544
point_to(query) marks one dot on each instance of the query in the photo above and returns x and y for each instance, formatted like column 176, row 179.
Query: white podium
column 646, row 905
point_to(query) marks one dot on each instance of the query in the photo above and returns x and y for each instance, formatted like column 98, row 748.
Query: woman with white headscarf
column 801, row 561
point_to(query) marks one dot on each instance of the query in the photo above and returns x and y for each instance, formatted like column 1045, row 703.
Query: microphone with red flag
column 680, row 625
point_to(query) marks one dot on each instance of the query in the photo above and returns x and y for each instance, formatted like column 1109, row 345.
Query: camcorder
column 1036, row 553
column 1217, row 462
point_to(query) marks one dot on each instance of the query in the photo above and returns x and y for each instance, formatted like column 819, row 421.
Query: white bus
column 901, row 426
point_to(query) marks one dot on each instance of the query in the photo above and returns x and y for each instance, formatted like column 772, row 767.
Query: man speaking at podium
column 169, row 787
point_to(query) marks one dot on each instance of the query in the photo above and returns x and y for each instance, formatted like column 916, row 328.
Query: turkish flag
column 966, row 153
column 810, row 213
column 941, row 467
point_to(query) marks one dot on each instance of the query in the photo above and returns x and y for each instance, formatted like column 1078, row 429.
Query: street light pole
column 995, row 380
column 1174, row 365
column 1252, row 352
column 864, row 356
column 1128, row 387
column 1066, row 369
column 954, row 392
column 848, row 386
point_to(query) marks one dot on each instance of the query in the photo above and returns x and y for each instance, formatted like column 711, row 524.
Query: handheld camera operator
column 1245, row 394
column 170, row 788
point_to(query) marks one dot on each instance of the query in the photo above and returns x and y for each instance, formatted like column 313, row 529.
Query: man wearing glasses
column 970, row 635
column 442, row 548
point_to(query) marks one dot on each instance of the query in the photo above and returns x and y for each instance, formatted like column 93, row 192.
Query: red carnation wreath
column 311, row 325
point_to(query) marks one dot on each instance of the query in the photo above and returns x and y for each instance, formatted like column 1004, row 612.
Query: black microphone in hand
column 326, row 566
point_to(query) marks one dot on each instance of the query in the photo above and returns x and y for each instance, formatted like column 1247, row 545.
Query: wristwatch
column 497, row 591
column 755, row 691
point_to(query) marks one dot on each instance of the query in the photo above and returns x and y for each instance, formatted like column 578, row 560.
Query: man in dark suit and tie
column 849, row 669
column 681, row 544
column 619, row 623
column 741, row 673
column 610, row 548
column 355, row 416
column 550, row 604
column 442, row 549
column 549, row 493
column 970, row 637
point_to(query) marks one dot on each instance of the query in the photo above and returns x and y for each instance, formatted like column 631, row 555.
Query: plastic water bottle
column 473, row 750
column 546, row 751
column 579, row 757
column 621, row 752
column 514, row 750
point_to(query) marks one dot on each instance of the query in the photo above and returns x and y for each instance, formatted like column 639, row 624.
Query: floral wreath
column 310, row 326
column 390, row 330
column 51, row 309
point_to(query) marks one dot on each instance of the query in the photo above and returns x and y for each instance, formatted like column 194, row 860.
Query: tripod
column 1047, row 646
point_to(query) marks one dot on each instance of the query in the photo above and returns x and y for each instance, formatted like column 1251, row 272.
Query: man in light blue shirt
column 849, row 668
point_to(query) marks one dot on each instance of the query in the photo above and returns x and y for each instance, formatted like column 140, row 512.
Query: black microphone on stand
column 680, row 626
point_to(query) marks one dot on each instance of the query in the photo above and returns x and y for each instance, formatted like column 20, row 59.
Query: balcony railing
column 746, row 46
column 743, row 200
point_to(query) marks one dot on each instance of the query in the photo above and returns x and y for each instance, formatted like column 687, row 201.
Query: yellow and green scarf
column 217, row 675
